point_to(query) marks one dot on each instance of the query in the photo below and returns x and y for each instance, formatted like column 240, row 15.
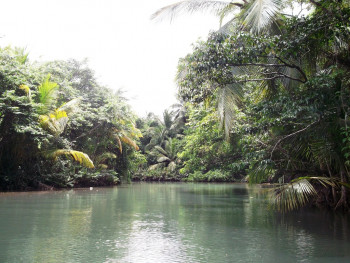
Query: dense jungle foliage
column 279, row 88
column 263, row 101
column 59, row 127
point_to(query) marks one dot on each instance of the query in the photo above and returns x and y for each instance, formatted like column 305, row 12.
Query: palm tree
column 166, row 156
column 56, row 121
column 179, row 119
column 170, row 126
column 254, row 15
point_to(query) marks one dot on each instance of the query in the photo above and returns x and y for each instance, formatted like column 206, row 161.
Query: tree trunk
column 343, row 198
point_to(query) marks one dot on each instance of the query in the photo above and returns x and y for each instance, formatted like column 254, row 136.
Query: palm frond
column 324, row 181
column 135, row 132
column 293, row 195
column 228, row 27
column 120, row 146
column 260, row 14
column 323, row 151
column 298, row 192
column 70, row 106
column 189, row 7
column 167, row 119
column 161, row 150
column 156, row 166
column 261, row 171
column 47, row 94
column 27, row 90
column 163, row 159
column 229, row 98
column 129, row 141
column 171, row 166
column 229, row 9
column 21, row 55
column 171, row 148
column 77, row 156
column 54, row 123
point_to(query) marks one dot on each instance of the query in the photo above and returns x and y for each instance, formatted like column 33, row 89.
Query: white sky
column 123, row 46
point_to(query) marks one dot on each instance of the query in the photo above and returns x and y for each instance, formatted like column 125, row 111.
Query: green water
column 165, row 223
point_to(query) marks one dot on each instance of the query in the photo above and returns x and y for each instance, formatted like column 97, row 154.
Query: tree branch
column 284, row 75
column 285, row 64
column 256, row 64
column 322, row 7
column 237, row 4
column 272, row 78
column 293, row 66
column 84, row 134
column 290, row 135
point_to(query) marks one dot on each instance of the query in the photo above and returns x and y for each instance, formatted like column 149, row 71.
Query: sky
column 123, row 46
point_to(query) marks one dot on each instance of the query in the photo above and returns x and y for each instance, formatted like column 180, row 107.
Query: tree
column 20, row 135
column 55, row 112
column 161, row 143
column 254, row 15
column 167, row 156
column 205, row 149
column 284, row 100
column 104, row 123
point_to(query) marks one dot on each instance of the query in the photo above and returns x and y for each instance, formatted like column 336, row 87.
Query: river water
column 151, row 222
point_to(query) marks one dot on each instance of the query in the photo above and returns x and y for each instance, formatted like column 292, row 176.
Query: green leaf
column 77, row 156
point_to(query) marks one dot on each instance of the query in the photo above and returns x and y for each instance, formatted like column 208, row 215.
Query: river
column 165, row 222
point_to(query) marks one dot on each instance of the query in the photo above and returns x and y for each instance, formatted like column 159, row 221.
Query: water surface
column 165, row 223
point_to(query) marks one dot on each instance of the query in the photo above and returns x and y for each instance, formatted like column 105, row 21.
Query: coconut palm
column 254, row 15
column 166, row 156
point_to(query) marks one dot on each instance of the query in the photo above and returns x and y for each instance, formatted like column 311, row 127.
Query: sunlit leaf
column 47, row 94
column 77, row 156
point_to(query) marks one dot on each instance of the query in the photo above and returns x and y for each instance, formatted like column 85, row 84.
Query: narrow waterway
column 165, row 223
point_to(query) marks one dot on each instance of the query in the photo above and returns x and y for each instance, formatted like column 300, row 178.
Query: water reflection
column 148, row 242
column 165, row 223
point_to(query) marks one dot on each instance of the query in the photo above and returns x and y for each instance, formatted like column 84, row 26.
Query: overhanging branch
column 290, row 135
column 272, row 78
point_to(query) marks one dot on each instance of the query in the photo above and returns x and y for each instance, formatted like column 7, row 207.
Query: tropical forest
column 257, row 146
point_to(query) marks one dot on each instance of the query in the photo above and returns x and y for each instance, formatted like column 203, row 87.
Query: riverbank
column 210, row 176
